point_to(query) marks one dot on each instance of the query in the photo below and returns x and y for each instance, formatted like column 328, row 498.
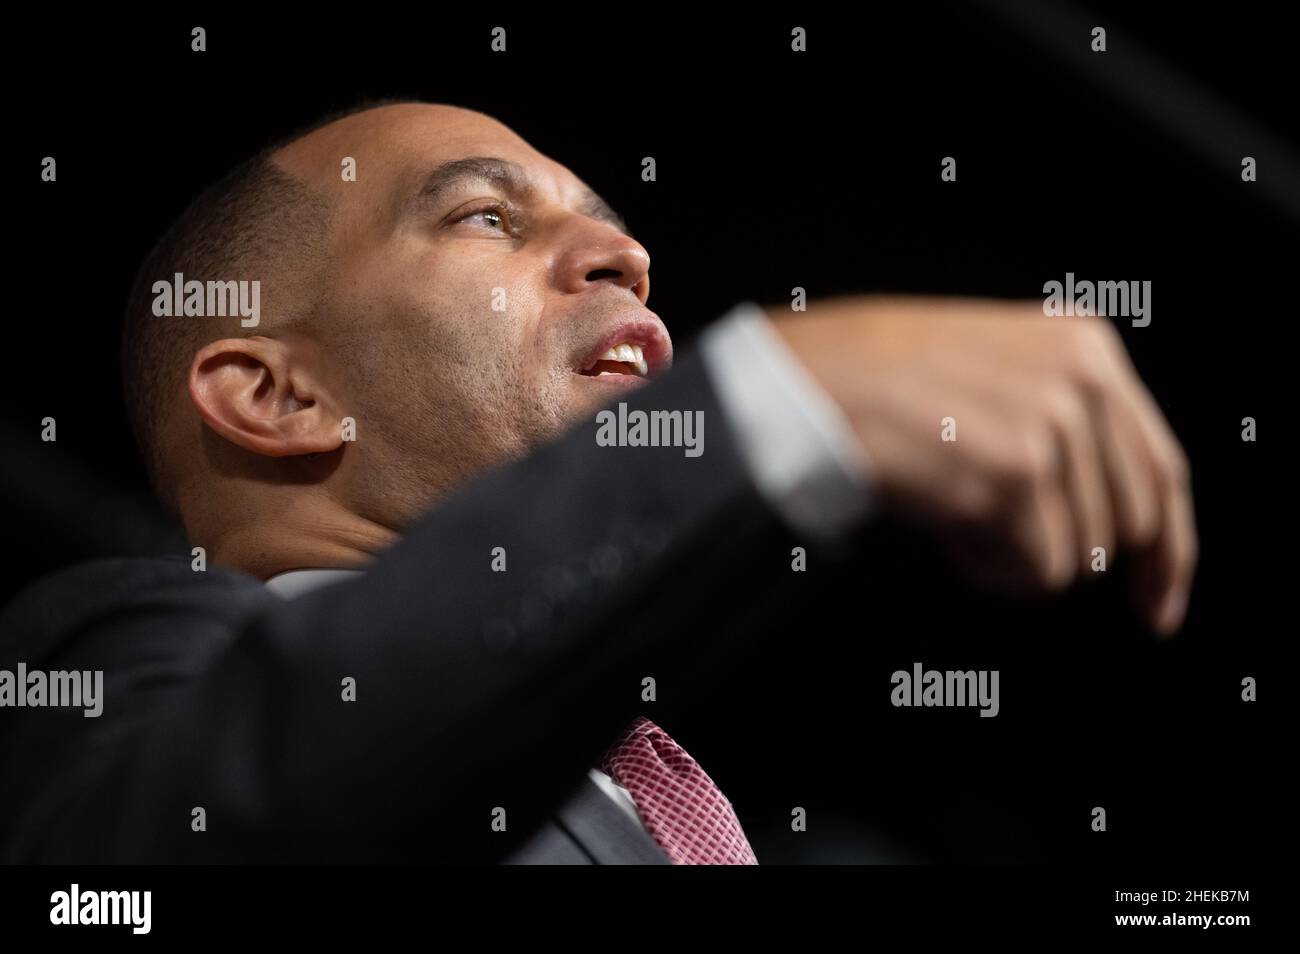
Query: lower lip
column 619, row 381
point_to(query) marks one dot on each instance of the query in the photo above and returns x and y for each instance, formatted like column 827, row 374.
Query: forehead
column 395, row 148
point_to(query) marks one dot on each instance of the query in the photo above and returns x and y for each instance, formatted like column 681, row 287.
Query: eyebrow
column 510, row 178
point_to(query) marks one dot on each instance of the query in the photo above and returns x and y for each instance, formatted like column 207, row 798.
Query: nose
column 594, row 252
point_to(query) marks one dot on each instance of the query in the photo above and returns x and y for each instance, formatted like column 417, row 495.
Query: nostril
column 600, row 273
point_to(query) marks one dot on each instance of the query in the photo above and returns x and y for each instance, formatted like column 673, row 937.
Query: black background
column 777, row 170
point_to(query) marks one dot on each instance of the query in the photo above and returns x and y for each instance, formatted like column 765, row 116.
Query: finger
column 1040, row 442
column 1136, row 505
column 1167, row 566
column 1011, row 478
column 1061, row 406
column 1087, row 487
column 1041, row 530
column 1173, row 563
column 1060, row 540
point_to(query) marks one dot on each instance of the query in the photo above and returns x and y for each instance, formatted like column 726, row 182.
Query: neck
column 299, row 538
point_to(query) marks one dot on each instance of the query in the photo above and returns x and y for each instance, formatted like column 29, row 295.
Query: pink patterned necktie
column 682, row 809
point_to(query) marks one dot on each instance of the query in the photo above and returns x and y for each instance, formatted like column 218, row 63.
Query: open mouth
column 630, row 351
column 622, row 358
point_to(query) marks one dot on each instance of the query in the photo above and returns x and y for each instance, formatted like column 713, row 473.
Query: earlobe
column 258, row 394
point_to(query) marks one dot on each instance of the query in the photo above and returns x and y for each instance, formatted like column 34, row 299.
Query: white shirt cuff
column 800, row 448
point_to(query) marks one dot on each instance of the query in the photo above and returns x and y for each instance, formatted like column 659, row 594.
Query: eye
column 496, row 217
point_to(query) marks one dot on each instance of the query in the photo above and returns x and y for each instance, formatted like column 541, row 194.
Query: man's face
column 474, row 288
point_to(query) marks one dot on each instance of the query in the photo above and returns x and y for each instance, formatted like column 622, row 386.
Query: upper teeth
column 628, row 353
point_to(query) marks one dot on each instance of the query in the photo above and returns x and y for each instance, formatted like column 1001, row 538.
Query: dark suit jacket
column 476, row 689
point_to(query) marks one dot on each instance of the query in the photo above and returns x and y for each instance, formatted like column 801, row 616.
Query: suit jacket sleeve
column 476, row 690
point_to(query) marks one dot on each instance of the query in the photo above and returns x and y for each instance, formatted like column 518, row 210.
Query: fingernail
column 1171, row 611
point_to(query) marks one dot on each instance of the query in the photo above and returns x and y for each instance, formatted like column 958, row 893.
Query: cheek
column 491, row 365
column 482, row 312
column 473, row 329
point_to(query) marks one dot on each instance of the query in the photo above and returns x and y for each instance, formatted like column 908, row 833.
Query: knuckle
column 1173, row 470
column 1142, row 524
column 1091, row 361
column 1065, row 406
column 1093, row 370
column 1034, row 461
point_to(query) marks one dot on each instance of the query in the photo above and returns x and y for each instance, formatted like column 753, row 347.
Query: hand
column 1059, row 446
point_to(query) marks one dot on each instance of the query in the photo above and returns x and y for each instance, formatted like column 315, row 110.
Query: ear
column 259, row 394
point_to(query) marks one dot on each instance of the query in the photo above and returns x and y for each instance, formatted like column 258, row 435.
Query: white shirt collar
column 294, row 583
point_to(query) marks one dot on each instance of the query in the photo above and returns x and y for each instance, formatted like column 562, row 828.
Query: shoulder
column 124, row 589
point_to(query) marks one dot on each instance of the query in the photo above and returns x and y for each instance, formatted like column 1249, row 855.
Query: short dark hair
column 257, row 220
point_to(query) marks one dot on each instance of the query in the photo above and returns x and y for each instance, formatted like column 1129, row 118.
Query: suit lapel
column 605, row 831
